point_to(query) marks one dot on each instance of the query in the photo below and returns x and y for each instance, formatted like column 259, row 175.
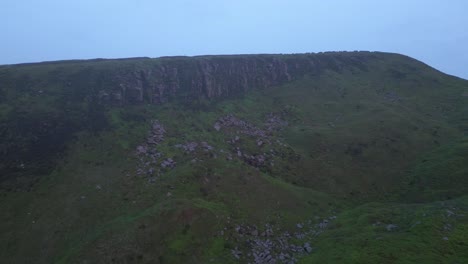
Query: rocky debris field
column 263, row 149
column 273, row 122
column 149, row 158
column 273, row 245
column 190, row 147
column 256, row 146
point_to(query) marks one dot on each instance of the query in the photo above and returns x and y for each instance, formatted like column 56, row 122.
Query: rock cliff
column 158, row 80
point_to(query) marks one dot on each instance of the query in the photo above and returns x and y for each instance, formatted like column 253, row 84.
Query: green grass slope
column 351, row 165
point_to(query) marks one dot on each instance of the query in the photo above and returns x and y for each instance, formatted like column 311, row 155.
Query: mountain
column 336, row 157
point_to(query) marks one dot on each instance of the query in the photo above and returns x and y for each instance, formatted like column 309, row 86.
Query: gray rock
column 300, row 235
column 323, row 225
column 151, row 179
column 450, row 213
column 391, row 227
column 141, row 150
column 168, row 163
column 447, row 227
column 236, row 253
column 307, row 248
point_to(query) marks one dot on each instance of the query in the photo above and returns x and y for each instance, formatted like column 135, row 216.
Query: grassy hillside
column 362, row 163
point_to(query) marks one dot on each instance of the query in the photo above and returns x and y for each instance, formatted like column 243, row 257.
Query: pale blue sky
column 434, row 31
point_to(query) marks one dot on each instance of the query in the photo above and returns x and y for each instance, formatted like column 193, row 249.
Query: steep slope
column 248, row 158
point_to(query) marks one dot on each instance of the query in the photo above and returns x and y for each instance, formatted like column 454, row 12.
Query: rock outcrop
column 158, row 80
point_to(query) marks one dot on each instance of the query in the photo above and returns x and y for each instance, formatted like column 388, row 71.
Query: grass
column 360, row 235
column 440, row 174
column 351, row 150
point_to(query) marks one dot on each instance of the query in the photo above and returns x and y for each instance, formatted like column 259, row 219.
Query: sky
column 433, row 31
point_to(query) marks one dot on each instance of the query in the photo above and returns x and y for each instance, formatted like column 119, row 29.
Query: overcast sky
column 434, row 31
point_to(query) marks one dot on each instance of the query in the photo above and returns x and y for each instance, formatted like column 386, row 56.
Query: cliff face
column 159, row 80
column 155, row 81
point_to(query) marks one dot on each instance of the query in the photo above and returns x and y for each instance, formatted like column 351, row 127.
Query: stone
column 236, row 253
column 151, row 179
column 323, row 225
column 141, row 150
column 307, row 247
column 168, row 163
column 391, row 227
